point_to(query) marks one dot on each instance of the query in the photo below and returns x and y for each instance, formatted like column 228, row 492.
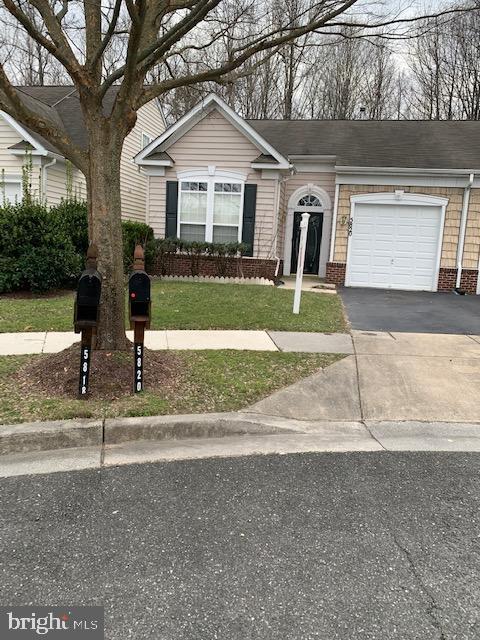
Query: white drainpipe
column 277, row 218
column 463, row 229
column 44, row 177
column 334, row 223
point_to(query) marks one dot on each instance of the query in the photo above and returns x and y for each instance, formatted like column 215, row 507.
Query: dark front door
column 314, row 241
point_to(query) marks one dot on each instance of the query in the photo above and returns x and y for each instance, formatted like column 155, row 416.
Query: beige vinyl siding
column 134, row 183
column 471, row 253
column 56, row 182
column 9, row 163
column 214, row 141
column 452, row 217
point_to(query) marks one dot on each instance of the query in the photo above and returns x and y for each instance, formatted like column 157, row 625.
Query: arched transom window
column 309, row 201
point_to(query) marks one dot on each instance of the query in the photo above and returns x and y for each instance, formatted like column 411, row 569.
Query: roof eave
column 341, row 169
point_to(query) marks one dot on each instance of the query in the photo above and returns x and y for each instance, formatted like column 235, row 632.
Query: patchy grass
column 207, row 381
column 192, row 305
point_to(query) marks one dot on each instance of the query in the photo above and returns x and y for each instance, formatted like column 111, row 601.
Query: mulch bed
column 111, row 373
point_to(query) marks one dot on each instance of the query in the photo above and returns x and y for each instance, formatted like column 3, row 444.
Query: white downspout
column 334, row 223
column 44, row 177
column 277, row 219
column 463, row 229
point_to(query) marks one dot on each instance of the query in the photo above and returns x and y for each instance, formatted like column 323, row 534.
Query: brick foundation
column 469, row 280
column 336, row 273
column 179, row 264
column 447, row 279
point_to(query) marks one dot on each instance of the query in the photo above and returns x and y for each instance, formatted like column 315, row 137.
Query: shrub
column 137, row 233
column 36, row 252
column 72, row 216
column 220, row 252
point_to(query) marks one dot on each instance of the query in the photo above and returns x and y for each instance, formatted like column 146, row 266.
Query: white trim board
column 404, row 180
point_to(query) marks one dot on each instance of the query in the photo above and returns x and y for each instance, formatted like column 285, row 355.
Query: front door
column 314, row 241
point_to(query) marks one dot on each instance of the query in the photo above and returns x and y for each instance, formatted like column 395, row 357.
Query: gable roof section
column 189, row 120
column 61, row 105
column 436, row 145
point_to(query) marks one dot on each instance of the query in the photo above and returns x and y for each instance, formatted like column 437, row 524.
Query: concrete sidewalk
column 55, row 341
column 391, row 377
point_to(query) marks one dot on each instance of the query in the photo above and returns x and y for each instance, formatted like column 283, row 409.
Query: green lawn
column 209, row 381
column 192, row 305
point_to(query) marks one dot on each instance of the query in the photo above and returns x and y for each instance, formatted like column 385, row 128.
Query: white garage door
column 394, row 247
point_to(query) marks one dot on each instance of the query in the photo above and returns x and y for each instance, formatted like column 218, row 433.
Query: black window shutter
column 249, row 207
column 172, row 209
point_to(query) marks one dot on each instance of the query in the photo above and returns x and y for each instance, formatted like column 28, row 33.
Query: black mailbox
column 87, row 303
column 139, row 298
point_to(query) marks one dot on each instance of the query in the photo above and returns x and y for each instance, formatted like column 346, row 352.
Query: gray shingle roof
column 61, row 104
column 385, row 143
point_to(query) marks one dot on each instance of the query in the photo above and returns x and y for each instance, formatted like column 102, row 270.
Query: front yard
column 195, row 381
column 192, row 305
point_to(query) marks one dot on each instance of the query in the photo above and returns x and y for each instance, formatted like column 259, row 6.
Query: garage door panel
column 394, row 246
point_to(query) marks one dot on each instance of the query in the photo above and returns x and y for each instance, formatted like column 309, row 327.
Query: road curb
column 65, row 434
column 46, row 436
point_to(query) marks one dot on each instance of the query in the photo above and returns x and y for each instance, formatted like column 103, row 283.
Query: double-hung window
column 210, row 209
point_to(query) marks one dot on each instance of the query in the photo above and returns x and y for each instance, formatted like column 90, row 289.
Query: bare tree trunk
column 106, row 232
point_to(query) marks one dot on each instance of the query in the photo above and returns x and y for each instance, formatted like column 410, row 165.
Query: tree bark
column 105, row 230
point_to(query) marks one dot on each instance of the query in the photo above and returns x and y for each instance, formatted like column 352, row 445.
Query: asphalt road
column 411, row 311
column 351, row 546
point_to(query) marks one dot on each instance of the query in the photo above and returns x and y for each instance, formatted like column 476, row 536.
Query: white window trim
column 401, row 198
column 211, row 177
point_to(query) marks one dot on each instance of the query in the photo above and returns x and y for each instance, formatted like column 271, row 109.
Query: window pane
column 194, row 186
column 226, row 208
column 10, row 192
column 193, row 207
column 225, row 234
column 192, row 232
column 227, row 187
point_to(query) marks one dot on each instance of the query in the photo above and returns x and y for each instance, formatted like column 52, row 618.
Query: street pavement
column 333, row 546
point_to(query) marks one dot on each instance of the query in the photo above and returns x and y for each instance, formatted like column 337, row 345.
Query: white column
column 300, row 262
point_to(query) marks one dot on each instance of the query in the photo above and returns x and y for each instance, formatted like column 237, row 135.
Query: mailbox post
column 139, row 308
column 86, row 311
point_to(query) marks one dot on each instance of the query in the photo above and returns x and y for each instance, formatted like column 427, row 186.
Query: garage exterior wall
column 215, row 141
column 452, row 216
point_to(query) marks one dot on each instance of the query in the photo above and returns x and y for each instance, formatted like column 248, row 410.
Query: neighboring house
column 393, row 204
column 52, row 178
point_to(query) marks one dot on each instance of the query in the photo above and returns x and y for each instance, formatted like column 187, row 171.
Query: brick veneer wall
column 447, row 279
column 336, row 273
column 180, row 265
column 469, row 280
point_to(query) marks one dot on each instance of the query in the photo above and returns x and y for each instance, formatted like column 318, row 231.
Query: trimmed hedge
column 43, row 249
column 36, row 252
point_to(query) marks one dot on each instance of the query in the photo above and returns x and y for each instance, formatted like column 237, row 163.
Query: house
column 393, row 204
column 52, row 178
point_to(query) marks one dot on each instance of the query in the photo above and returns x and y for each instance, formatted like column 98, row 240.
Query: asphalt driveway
column 411, row 311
